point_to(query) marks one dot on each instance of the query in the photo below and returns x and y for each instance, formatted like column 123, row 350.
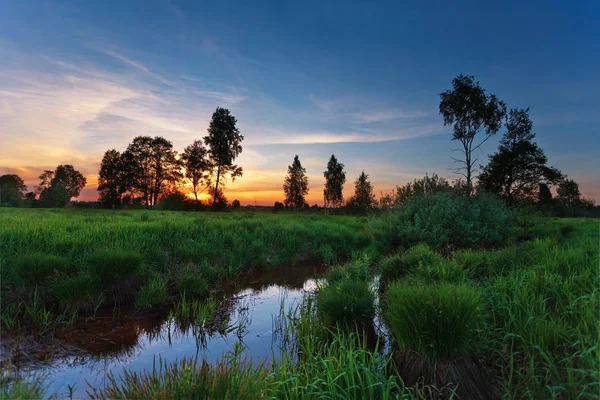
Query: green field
column 515, row 320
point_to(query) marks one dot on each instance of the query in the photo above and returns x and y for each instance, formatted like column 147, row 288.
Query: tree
column 519, row 166
column 235, row 204
column 568, row 192
column 335, row 177
column 278, row 206
column 363, row 198
column 470, row 110
column 197, row 166
column 224, row 146
column 65, row 182
column 12, row 189
column 544, row 194
column 295, row 185
column 152, row 167
column 112, row 178
column 55, row 196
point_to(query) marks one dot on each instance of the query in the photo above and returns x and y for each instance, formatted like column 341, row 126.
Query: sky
column 360, row 80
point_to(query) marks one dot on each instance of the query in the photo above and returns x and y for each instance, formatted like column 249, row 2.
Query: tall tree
column 470, row 110
column 152, row 167
column 568, row 192
column 197, row 166
column 12, row 189
column 295, row 185
column 363, row 198
column 335, row 177
column 224, row 146
column 112, row 178
column 544, row 195
column 64, row 177
column 517, row 169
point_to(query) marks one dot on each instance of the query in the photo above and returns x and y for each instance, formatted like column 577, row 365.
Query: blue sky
column 359, row 79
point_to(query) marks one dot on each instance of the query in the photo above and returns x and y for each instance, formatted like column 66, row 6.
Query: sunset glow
column 72, row 89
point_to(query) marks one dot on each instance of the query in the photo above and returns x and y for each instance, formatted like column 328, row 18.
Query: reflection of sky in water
column 258, row 304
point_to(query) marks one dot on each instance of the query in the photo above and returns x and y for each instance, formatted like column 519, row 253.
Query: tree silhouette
column 197, row 165
column 224, row 146
column 568, row 192
column 516, row 170
column 363, row 198
column 335, row 177
column 295, row 185
column 470, row 110
column 544, row 194
column 151, row 165
column 12, row 189
column 57, row 187
column 112, row 182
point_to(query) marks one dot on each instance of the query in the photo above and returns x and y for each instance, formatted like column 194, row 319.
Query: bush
column 446, row 219
column 154, row 293
column 346, row 303
column 397, row 266
column 356, row 271
column 438, row 322
column 112, row 265
column 33, row 269
column 71, row 290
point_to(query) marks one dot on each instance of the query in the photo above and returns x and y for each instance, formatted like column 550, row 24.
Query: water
column 136, row 343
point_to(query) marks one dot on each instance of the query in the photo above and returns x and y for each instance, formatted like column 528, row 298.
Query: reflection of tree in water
column 292, row 278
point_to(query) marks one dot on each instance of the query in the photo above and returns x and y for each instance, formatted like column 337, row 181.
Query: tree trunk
column 216, row 193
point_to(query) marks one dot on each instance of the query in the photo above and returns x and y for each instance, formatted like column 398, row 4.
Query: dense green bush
column 438, row 322
column 398, row 266
column 112, row 265
column 33, row 269
column 446, row 219
column 346, row 303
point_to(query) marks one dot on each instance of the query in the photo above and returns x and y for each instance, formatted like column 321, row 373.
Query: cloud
column 283, row 137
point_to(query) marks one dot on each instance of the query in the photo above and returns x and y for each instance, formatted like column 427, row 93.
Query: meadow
column 515, row 317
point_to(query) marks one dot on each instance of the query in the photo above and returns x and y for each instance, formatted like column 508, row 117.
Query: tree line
column 150, row 170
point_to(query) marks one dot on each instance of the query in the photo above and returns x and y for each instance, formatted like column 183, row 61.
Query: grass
column 85, row 258
column 441, row 321
column 514, row 321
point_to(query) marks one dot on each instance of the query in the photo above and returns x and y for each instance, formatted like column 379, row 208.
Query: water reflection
column 246, row 312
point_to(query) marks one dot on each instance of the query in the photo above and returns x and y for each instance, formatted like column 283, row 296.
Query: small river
column 137, row 342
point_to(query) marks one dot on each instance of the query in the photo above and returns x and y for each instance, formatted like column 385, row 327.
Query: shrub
column 346, row 303
column 112, row 265
column 446, row 219
column 74, row 289
column 397, row 266
column 438, row 322
column 33, row 269
column 357, row 271
column 153, row 293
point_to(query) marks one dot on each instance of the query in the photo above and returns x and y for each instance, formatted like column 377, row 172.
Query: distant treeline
column 150, row 173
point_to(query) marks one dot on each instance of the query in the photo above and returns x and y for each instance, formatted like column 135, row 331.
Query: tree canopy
column 335, row 177
column 58, row 187
column 517, row 169
column 295, row 185
column 12, row 189
column 197, row 166
column 224, row 146
column 363, row 198
column 151, row 166
column 568, row 191
column 112, row 181
column 470, row 110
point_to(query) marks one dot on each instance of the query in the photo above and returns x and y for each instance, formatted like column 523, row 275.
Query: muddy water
column 137, row 342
